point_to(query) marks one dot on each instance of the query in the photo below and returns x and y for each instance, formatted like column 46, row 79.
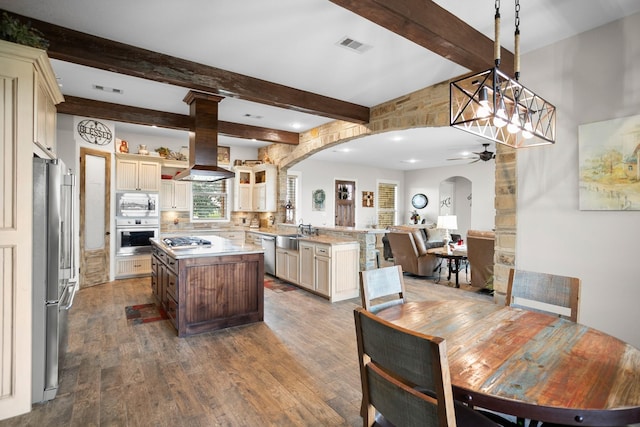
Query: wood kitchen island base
column 204, row 291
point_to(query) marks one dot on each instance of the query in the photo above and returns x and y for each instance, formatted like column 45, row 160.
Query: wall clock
column 419, row 201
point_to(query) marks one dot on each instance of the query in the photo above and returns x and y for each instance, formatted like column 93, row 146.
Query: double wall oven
column 137, row 221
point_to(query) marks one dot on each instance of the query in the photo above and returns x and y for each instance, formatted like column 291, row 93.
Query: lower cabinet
column 133, row 266
column 288, row 265
column 330, row 270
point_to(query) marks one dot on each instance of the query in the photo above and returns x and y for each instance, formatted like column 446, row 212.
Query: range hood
column 203, row 140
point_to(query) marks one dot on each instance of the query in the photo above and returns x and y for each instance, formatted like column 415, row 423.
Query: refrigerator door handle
column 68, row 296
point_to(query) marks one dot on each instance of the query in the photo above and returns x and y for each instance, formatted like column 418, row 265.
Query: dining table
column 530, row 364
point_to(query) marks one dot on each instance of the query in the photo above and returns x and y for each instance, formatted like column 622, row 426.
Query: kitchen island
column 208, row 287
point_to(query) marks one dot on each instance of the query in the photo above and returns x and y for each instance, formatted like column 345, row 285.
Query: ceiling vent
column 353, row 45
column 108, row 89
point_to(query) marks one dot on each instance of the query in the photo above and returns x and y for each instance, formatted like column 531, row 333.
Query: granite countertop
column 219, row 246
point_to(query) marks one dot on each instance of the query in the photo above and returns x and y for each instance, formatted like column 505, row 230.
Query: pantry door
column 95, row 216
column 345, row 192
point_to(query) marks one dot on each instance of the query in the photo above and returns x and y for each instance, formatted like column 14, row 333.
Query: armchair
column 480, row 250
column 410, row 251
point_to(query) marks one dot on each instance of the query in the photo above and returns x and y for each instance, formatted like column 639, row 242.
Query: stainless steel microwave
column 137, row 205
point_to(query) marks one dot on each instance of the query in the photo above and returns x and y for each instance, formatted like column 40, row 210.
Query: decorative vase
column 142, row 149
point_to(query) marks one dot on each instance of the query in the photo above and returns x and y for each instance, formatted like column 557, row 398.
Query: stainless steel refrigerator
column 54, row 271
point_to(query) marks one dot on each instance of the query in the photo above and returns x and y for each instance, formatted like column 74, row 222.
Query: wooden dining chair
column 381, row 288
column 405, row 377
column 549, row 293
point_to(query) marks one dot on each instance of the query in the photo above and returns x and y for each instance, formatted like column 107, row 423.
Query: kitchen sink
column 288, row 241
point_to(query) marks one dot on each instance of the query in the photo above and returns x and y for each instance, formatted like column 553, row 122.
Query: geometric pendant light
column 492, row 105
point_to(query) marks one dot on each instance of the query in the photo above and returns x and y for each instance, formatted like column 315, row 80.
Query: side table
column 454, row 261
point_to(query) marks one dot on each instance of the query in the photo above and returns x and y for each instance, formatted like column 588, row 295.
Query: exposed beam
column 142, row 116
column 85, row 49
column 429, row 25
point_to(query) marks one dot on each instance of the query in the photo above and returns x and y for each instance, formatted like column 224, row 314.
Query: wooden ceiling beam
column 92, row 51
column 434, row 28
column 142, row 116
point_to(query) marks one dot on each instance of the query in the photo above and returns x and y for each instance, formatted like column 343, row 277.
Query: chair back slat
column 381, row 288
column 544, row 292
column 394, row 364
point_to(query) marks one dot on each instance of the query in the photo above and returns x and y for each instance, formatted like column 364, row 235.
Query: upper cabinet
column 175, row 195
column 136, row 174
column 44, row 126
column 255, row 188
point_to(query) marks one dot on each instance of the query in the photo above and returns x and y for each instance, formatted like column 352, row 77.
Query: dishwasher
column 269, row 246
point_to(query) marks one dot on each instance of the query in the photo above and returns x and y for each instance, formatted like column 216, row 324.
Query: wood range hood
column 203, row 140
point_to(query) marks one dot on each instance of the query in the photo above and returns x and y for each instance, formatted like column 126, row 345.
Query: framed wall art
column 224, row 157
column 367, row 199
column 609, row 168
column 318, row 200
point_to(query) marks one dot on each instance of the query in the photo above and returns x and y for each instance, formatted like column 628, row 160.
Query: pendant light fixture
column 492, row 105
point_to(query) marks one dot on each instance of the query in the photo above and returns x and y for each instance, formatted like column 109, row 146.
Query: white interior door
column 95, row 216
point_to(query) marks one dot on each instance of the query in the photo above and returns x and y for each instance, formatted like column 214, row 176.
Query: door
column 345, row 192
column 95, row 216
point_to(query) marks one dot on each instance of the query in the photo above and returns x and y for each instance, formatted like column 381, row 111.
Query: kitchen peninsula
column 208, row 283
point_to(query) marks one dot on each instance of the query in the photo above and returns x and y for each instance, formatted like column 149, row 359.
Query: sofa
column 480, row 251
column 408, row 246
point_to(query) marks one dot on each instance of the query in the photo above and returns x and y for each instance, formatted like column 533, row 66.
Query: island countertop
column 218, row 246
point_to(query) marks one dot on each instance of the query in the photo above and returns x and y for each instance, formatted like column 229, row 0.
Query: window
column 387, row 204
column 210, row 200
column 293, row 185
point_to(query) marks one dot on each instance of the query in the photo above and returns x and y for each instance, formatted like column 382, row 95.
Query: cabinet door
column 281, row 264
column 259, row 192
column 126, row 174
column 181, row 195
column 45, row 120
column 322, row 266
column 293, row 267
column 149, row 176
column 307, row 267
column 243, row 199
column 166, row 195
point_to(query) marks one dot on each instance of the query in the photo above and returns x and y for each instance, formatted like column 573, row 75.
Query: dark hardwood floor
column 297, row 368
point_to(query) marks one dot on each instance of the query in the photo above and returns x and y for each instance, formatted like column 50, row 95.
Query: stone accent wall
column 505, row 220
column 423, row 108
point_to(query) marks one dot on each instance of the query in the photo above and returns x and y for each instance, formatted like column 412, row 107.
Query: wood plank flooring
column 297, row 368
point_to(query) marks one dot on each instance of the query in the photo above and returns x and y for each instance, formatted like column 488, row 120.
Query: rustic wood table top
column 529, row 364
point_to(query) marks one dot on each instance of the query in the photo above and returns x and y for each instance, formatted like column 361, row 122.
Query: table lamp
column 446, row 223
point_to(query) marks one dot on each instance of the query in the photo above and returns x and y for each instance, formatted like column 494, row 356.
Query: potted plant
column 12, row 30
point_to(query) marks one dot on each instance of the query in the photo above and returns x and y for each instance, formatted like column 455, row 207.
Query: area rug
column 144, row 313
column 277, row 285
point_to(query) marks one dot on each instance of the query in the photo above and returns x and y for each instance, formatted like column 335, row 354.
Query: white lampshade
column 447, row 222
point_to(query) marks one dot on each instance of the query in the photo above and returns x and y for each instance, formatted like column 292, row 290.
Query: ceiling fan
column 485, row 155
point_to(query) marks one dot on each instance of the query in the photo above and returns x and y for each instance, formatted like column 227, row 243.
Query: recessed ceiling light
column 397, row 138
column 410, row 161
column 296, row 125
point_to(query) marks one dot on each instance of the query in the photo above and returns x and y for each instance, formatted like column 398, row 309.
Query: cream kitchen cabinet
column 175, row 195
column 133, row 266
column 288, row 265
column 243, row 189
column 135, row 174
column 255, row 188
column 27, row 86
column 330, row 270
column 44, row 129
column 265, row 188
